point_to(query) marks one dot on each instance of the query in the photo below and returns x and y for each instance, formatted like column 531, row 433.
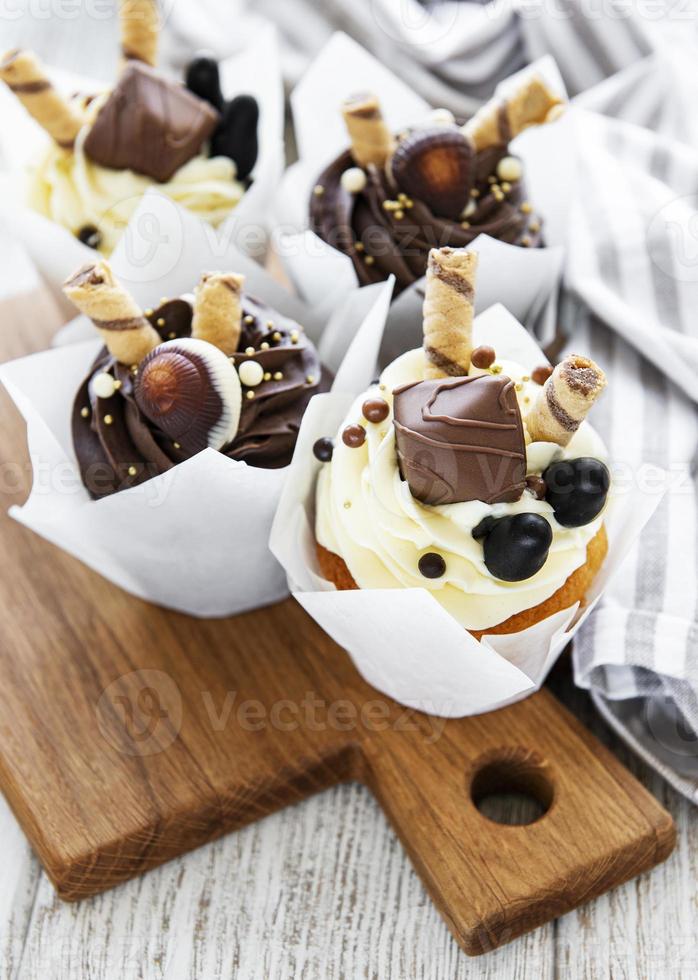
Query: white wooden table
column 322, row 890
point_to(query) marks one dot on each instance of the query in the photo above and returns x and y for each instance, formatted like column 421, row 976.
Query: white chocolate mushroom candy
column 103, row 385
column 443, row 117
column 353, row 180
column 509, row 168
column 251, row 373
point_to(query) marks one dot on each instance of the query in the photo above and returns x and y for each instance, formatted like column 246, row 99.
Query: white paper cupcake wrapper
column 56, row 252
column 194, row 539
column 403, row 641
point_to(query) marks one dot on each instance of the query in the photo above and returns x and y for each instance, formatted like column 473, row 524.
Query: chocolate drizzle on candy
column 460, row 439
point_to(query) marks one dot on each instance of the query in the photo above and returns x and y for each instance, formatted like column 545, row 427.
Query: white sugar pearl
column 442, row 117
column 251, row 373
column 103, row 385
column 353, row 180
column 509, row 168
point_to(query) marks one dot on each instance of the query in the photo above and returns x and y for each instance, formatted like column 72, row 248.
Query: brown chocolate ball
column 483, row 357
column 375, row 409
column 322, row 449
column 354, row 436
column 541, row 374
column 432, row 565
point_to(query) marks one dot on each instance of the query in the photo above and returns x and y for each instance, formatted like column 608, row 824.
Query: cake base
column 335, row 570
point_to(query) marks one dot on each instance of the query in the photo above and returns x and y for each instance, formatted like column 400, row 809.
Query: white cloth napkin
column 630, row 300
column 452, row 53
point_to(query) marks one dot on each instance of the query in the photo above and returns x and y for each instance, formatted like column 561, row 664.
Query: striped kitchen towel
column 631, row 301
column 452, row 53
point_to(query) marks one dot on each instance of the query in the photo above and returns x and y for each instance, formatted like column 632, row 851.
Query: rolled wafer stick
column 531, row 103
column 565, row 399
column 448, row 312
column 140, row 29
column 371, row 140
column 97, row 293
column 218, row 310
column 23, row 73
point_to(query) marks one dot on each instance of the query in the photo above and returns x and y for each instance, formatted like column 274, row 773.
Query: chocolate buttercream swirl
column 396, row 239
column 117, row 447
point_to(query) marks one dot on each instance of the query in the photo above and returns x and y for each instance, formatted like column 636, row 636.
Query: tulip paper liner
column 403, row 641
column 55, row 250
column 342, row 68
column 195, row 538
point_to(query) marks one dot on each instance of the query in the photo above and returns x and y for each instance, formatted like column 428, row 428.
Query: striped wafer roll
column 218, row 310
column 23, row 73
column 371, row 140
column 126, row 332
column 504, row 117
column 565, row 399
column 140, row 29
column 448, row 312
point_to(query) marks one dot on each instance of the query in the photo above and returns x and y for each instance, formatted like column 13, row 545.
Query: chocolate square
column 150, row 125
column 461, row 439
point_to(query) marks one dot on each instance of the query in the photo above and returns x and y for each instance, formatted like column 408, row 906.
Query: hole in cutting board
column 512, row 786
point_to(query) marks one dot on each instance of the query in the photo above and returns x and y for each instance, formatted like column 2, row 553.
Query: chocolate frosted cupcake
column 214, row 370
column 107, row 150
column 388, row 200
column 471, row 476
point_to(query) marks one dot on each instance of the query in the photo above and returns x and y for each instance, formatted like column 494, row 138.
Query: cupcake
column 468, row 475
column 107, row 150
column 388, row 200
column 217, row 369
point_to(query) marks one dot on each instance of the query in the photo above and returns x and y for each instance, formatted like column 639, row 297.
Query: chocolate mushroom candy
column 515, row 547
column 577, row 489
column 191, row 392
column 235, row 136
column 436, row 167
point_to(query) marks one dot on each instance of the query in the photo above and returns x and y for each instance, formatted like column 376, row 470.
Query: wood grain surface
column 131, row 734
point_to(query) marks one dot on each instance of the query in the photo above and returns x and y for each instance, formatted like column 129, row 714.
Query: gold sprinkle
column 163, row 299
column 270, row 324
column 278, row 376
column 497, row 194
column 276, row 336
column 399, row 215
column 475, row 192
column 506, row 186
column 369, row 260
column 148, row 312
column 176, row 445
column 318, row 190
column 496, row 369
column 172, row 335
column 359, row 246
column 294, row 336
column 534, row 227
column 491, row 180
column 108, row 419
column 249, row 319
column 347, row 504
column 134, row 369
column 402, row 197
column 117, row 385
column 132, row 471
column 526, row 207
column 381, row 387
column 160, row 322
column 525, row 241
column 518, row 386
column 526, row 399
column 310, row 379
column 249, row 351
column 525, row 377
column 264, row 346
column 465, row 225
column 249, row 395
column 85, row 412
column 267, row 375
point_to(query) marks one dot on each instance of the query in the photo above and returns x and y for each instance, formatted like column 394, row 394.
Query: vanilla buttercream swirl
column 70, row 189
column 366, row 514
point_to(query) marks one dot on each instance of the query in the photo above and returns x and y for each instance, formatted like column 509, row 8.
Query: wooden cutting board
column 129, row 735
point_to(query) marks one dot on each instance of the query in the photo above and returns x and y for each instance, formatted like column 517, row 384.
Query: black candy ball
column 236, row 134
column 515, row 547
column 202, row 79
column 576, row 489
